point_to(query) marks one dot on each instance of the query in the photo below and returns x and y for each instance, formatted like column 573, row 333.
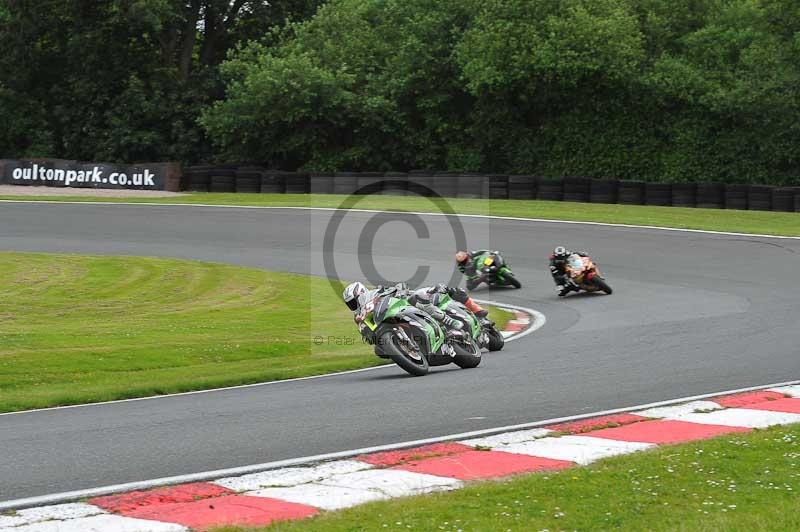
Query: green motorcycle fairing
column 391, row 309
column 449, row 306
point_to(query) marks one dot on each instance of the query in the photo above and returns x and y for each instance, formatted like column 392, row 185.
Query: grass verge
column 746, row 482
column 77, row 329
column 757, row 222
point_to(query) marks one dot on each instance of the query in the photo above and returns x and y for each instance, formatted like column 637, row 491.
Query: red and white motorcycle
column 583, row 272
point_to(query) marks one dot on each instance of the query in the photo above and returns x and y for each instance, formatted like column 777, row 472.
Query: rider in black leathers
column 558, row 269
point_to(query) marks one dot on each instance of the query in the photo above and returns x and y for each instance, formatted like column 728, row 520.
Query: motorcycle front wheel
column 602, row 285
column 468, row 353
column 510, row 279
column 406, row 356
column 496, row 339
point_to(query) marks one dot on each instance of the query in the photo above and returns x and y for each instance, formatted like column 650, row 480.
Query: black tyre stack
column 783, row 199
column 549, row 189
column 470, row 186
column 197, row 179
column 736, row 197
column 684, row 195
column 522, row 187
column 395, row 184
column 577, row 189
column 345, row 183
column 296, row 182
column 495, row 187
column 446, row 184
column 273, row 182
column 710, row 196
column 659, row 194
column 248, row 180
column 631, row 192
column 223, row 180
column 420, row 182
column 320, row 182
column 759, row 198
column 370, row 182
column 603, row 191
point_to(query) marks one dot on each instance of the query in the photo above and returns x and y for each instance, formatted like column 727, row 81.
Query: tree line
column 672, row 90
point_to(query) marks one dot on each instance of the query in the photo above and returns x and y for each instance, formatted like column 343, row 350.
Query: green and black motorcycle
column 413, row 339
column 482, row 330
column 493, row 270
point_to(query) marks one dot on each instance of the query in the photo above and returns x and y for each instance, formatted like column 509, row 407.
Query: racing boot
column 476, row 309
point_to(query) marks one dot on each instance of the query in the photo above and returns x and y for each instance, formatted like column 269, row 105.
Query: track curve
column 692, row 313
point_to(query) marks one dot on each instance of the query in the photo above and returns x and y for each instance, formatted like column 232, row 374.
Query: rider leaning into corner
column 355, row 295
column 558, row 269
column 465, row 261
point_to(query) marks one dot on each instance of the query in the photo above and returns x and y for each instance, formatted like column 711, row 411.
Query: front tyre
column 496, row 339
column 406, row 356
column 602, row 285
column 510, row 279
column 468, row 354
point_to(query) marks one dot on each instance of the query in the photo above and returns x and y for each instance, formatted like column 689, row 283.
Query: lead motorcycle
column 414, row 340
column 583, row 272
column 494, row 271
column 482, row 329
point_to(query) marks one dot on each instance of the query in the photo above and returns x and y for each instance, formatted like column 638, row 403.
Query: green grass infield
column 77, row 329
column 754, row 222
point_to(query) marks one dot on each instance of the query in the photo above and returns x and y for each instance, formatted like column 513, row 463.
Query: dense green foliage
column 120, row 80
column 655, row 89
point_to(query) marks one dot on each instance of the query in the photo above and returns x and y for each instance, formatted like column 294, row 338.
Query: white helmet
column 352, row 293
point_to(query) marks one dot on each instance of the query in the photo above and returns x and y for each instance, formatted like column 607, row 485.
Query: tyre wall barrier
column 684, row 194
column 658, row 194
column 783, row 199
column 603, row 191
column 296, row 183
column 223, row 180
column 631, row 192
column 320, row 183
column 577, row 189
column 248, row 180
column 736, row 197
column 495, row 187
column 710, row 195
column 549, row 189
column 759, row 198
column 522, row 187
column 706, row 195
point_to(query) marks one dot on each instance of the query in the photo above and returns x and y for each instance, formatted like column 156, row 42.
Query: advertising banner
column 62, row 173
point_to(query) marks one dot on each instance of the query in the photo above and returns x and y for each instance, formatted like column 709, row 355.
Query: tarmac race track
column 692, row 313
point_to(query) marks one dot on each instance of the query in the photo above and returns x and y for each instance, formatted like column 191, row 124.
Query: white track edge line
column 539, row 321
column 69, row 496
column 485, row 216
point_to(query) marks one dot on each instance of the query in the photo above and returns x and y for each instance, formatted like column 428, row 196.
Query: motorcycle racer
column 465, row 261
column 356, row 295
column 558, row 269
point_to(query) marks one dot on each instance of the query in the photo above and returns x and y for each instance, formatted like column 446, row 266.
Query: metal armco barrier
column 63, row 173
column 515, row 187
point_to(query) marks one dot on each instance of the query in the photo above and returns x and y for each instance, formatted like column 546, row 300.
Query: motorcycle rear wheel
column 468, row 355
column 392, row 346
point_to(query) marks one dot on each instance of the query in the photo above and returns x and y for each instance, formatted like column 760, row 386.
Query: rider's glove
column 451, row 323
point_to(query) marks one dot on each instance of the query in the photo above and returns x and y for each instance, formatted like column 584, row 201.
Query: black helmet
column 561, row 252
